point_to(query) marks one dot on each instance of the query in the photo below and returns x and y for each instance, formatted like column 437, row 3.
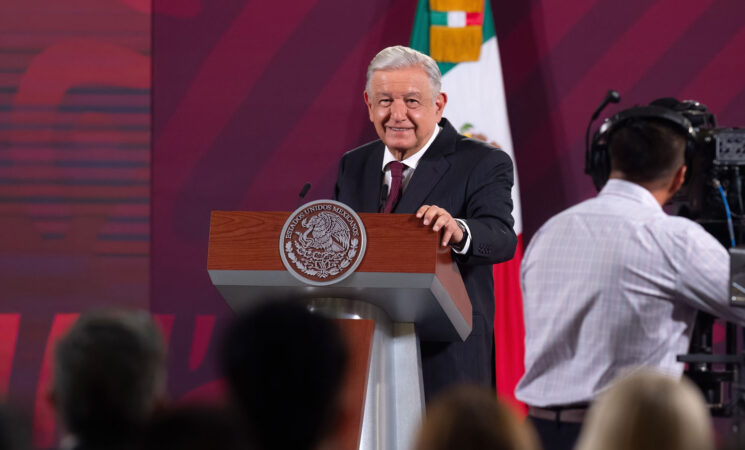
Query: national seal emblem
column 322, row 242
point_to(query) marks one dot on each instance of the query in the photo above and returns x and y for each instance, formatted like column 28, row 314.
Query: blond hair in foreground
column 471, row 418
column 648, row 411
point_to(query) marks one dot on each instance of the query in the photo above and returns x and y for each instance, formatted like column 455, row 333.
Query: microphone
column 611, row 96
column 383, row 198
column 301, row 196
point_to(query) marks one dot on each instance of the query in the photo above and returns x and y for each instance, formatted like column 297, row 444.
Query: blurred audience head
column 284, row 366
column 194, row 427
column 15, row 434
column 471, row 418
column 648, row 411
column 108, row 375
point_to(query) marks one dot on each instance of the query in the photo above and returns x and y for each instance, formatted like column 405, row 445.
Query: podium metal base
column 394, row 397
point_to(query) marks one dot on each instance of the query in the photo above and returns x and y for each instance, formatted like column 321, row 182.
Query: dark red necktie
column 397, row 170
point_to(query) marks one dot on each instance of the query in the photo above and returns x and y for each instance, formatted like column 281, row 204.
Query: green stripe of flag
column 420, row 32
column 438, row 18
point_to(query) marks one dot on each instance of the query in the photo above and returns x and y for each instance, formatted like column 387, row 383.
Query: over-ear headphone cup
column 600, row 164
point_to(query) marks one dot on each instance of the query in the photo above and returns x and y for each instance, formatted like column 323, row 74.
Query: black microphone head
column 304, row 190
column 613, row 96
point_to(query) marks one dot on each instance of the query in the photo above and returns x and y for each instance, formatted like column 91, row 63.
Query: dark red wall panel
column 559, row 59
column 74, row 178
column 251, row 100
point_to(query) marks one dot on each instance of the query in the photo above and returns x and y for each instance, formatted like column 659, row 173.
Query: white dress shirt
column 613, row 284
column 410, row 164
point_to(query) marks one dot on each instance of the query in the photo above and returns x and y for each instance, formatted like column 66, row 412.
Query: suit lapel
column 372, row 180
column 430, row 169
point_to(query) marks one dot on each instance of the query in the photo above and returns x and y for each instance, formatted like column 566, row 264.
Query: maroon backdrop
column 74, row 178
column 250, row 100
column 560, row 58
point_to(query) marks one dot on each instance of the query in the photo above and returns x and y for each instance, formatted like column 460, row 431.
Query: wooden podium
column 405, row 288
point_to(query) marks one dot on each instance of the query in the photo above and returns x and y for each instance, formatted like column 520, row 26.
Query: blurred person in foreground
column 649, row 411
column 109, row 375
column 284, row 366
column 469, row 417
column 15, row 433
column 614, row 282
column 194, row 427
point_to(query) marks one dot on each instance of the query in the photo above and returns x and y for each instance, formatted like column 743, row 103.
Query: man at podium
column 456, row 185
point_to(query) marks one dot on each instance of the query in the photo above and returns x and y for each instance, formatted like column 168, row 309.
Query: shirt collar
column 413, row 160
column 627, row 189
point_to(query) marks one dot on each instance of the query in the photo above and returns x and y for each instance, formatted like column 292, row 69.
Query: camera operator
column 614, row 283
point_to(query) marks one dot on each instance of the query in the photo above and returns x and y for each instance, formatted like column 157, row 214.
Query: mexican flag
column 460, row 36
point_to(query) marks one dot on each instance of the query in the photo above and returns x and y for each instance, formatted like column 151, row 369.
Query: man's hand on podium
column 440, row 219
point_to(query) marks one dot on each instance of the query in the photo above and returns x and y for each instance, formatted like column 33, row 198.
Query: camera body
column 718, row 160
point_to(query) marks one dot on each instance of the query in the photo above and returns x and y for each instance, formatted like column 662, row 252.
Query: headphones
column 597, row 156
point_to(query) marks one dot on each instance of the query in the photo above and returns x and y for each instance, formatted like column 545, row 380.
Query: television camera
column 712, row 195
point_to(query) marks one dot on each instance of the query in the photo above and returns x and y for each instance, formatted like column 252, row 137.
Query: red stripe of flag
column 509, row 328
column 474, row 18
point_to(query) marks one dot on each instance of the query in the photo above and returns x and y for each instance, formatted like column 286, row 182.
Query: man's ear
column 369, row 105
column 440, row 102
column 678, row 179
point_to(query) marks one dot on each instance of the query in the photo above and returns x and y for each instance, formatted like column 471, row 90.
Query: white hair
column 400, row 57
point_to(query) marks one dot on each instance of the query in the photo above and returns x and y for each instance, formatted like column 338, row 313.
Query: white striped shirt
column 612, row 284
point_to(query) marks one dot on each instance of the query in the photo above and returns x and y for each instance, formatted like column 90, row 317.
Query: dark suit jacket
column 471, row 180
